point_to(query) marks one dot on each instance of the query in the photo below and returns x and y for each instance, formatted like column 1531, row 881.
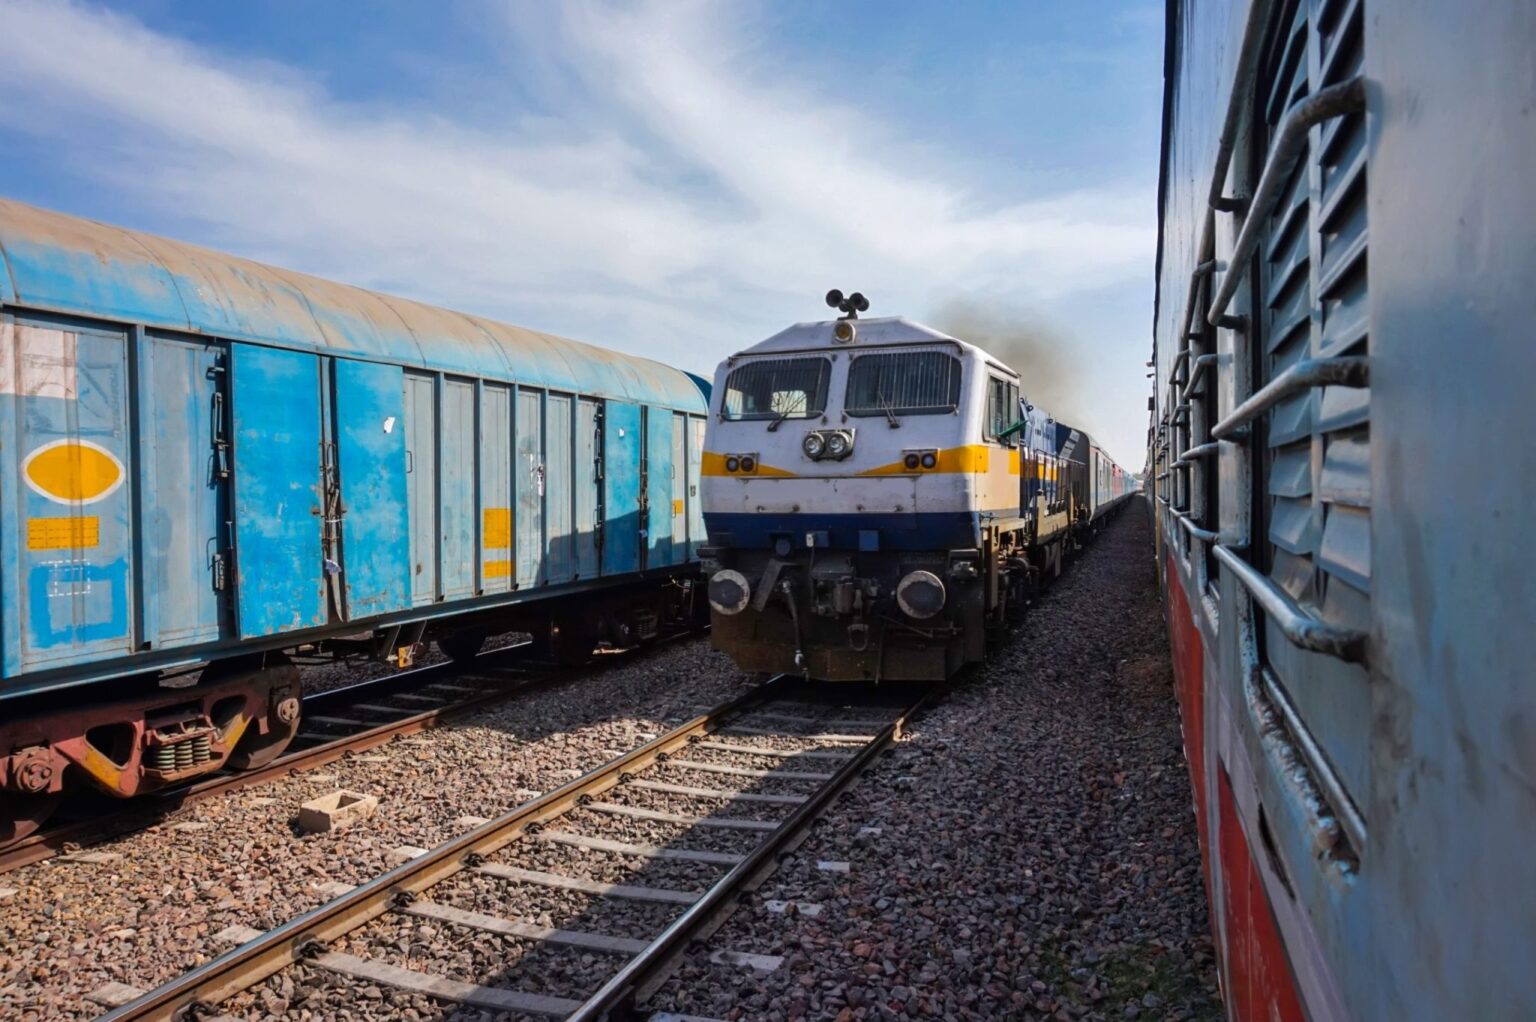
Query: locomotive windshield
column 780, row 388
column 903, row 383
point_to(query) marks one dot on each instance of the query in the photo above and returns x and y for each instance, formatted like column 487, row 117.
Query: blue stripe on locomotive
column 929, row 530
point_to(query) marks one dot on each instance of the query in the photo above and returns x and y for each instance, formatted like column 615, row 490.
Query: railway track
column 336, row 722
column 677, row 827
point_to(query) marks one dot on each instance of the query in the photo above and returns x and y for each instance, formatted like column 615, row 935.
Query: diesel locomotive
column 209, row 463
column 1343, row 475
column 880, row 497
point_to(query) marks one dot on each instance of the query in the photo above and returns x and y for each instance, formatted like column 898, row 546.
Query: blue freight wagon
column 206, row 462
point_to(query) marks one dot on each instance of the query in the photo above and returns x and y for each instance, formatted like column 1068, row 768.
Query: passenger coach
column 1344, row 481
column 208, row 462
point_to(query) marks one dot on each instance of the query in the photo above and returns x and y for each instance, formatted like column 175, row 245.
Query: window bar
column 1340, row 100
column 1348, row 371
column 1302, row 629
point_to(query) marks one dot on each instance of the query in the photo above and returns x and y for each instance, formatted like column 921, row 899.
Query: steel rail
column 252, row 962
column 621, row 990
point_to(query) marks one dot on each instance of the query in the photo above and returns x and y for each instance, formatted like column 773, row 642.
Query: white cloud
column 702, row 197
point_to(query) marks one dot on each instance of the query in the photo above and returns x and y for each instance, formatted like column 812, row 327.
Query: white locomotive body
column 877, row 496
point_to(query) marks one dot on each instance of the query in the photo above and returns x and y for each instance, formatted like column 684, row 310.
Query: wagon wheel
column 462, row 645
column 285, row 711
column 22, row 815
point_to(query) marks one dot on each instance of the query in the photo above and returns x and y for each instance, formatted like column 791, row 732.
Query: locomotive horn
column 834, row 298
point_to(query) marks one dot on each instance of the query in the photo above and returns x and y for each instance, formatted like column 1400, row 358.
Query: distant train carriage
column 879, row 497
column 207, row 461
column 1344, row 478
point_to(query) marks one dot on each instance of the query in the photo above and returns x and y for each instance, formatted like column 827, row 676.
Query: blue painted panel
column 458, row 509
column 370, row 459
column 659, row 472
column 421, row 483
column 185, row 503
column 695, row 503
column 621, row 481
column 559, row 508
column 276, row 397
column 679, row 502
column 68, row 393
column 586, row 488
column 495, row 488
column 528, row 476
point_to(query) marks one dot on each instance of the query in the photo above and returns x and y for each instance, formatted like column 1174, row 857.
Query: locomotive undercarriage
column 839, row 615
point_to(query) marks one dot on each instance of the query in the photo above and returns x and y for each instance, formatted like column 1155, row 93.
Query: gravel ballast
column 1029, row 850
column 152, row 908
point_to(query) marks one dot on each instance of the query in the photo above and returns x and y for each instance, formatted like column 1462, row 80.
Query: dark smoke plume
column 1055, row 373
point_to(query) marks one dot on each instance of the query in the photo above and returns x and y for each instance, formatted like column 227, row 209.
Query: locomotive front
column 850, row 479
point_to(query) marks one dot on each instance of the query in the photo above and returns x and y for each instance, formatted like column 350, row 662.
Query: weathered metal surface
column 1368, row 828
column 421, row 484
column 375, row 529
column 528, row 477
column 457, row 513
column 64, row 441
column 496, row 551
column 280, row 581
column 585, row 488
column 621, row 481
column 63, row 263
column 559, row 512
column 658, row 488
column 184, row 502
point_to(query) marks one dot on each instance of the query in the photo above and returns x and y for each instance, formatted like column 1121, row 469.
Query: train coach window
column 903, row 383
column 791, row 388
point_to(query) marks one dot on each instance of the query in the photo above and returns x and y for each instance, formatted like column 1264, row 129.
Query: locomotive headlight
column 838, row 445
column 930, row 459
column 920, row 594
column 814, row 445
column 732, row 463
column 729, row 591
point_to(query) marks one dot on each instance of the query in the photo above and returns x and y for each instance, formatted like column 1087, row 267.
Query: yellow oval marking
column 73, row 471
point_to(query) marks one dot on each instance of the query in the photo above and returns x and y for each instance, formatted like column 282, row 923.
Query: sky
column 674, row 179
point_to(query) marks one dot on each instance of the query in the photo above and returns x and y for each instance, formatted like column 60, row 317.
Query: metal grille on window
column 908, row 382
column 1312, row 449
column 792, row 387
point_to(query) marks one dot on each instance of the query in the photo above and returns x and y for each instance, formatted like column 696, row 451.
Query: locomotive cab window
column 903, row 383
column 1002, row 409
column 789, row 388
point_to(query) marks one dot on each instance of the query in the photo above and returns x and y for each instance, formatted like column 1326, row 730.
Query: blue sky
column 673, row 179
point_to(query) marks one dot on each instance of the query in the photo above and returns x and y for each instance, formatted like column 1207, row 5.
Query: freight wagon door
column 280, row 585
column 679, row 503
column 184, row 425
column 421, row 484
column 370, row 458
column 695, row 501
column 621, row 495
column 65, row 396
column 586, row 488
column 658, row 487
column 528, row 476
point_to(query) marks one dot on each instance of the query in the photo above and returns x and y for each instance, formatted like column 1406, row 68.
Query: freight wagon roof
column 65, row 264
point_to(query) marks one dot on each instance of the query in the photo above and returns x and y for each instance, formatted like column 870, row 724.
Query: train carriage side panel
column 528, row 477
column 658, row 487
column 280, row 583
column 65, row 436
column 371, row 462
column 183, row 425
column 457, row 507
column 621, row 481
column 421, row 484
column 587, row 487
column 559, row 508
column 495, row 488
column 678, row 505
